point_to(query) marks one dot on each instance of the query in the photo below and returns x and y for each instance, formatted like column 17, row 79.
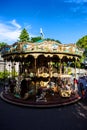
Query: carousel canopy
column 41, row 47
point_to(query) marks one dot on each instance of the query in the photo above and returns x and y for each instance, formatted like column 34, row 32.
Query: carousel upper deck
column 41, row 47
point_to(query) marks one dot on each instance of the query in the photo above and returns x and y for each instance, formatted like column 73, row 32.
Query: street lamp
column 9, row 69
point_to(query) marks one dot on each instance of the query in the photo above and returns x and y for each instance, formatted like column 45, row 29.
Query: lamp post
column 14, row 69
column 76, row 88
column 75, row 68
column 9, row 69
column 75, row 61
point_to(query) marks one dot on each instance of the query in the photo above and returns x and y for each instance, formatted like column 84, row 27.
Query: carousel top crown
column 41, row 47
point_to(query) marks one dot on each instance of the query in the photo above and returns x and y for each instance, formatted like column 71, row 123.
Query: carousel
column 42, row 78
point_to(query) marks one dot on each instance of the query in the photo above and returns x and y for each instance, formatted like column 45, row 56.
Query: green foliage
column 56, row 64
column 24, row 36
column 82, row 42
column 2, row 44
column 64, row 64
column 78, row 64
column 13, row 73
column 35, row 39
column 4, row 74
column 49, row 39
column 69, row 70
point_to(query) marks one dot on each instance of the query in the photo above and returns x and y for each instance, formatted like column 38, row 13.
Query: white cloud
column 14, row 23
column 75, row 1
column 77, row 5
column 27, row 26
column 80, row 9
column 10, row 31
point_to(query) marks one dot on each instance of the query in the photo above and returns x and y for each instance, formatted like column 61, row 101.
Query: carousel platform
column 49, row 101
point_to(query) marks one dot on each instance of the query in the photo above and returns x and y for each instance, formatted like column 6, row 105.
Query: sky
column 63, row 20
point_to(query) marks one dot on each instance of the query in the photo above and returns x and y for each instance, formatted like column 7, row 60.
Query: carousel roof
column 42, row 47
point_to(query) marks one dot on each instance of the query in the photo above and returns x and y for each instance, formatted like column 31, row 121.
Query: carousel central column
column 35, row 56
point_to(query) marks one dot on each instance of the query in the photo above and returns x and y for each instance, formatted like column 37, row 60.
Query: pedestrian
column 24, row 88
column 82, row 90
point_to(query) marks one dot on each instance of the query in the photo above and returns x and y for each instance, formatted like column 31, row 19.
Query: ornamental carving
column 47, row 48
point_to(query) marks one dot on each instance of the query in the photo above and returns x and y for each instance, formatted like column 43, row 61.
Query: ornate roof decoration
column 42, row 46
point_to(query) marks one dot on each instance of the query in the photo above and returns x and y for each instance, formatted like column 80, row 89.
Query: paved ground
column 71, row 117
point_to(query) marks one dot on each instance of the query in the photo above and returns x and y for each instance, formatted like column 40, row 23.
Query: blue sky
column 63, row 20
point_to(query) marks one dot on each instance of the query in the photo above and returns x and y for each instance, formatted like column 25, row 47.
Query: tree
column 35, row 39
column 82, row 42
column 24, row 36
column 2, row 44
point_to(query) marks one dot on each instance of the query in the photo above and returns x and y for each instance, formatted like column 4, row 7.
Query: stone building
column 1, row 64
